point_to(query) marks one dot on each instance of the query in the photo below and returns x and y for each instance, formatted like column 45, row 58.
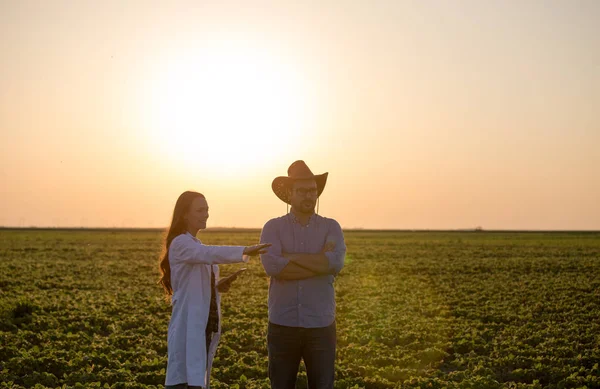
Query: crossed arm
column 299, row 266
column 302, row 266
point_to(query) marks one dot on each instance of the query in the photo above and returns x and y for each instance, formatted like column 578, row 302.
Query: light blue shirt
column 308, row 303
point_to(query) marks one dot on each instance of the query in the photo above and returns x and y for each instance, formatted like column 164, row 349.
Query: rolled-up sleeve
column 336, row 257
column 273, row 262
column 184, row 248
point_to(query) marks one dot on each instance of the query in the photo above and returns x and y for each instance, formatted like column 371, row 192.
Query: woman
column 188, row 274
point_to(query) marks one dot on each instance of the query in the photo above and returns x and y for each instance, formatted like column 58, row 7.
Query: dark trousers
column 287, row 345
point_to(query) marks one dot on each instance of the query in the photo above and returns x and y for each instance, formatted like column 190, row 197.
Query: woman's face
column 197, row 215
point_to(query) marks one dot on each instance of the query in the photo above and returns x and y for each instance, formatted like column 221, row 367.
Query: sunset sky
column 426, row 114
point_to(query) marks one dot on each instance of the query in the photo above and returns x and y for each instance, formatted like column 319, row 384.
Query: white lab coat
column 191, row 263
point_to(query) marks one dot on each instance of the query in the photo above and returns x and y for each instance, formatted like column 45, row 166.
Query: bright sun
column 226, row 109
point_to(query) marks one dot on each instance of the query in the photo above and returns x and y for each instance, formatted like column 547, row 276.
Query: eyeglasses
column 306, row 191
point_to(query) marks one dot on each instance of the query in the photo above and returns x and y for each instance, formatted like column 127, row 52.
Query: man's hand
column 328, row 247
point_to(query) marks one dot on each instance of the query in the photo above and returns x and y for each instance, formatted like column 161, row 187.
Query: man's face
column 303, row 196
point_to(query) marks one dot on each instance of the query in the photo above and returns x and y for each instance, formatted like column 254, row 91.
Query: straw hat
column 297, row 171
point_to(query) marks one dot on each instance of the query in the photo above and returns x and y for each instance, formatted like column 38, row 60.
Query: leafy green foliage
column 435, row 310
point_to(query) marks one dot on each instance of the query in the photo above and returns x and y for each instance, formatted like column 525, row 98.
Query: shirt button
column 299, row 305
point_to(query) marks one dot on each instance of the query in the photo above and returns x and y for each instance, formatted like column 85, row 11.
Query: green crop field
column 435, row 310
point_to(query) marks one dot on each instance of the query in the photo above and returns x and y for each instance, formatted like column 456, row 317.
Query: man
column 307, row 253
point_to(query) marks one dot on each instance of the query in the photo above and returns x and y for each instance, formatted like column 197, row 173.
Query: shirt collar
column 294, row 220
column 193, row 237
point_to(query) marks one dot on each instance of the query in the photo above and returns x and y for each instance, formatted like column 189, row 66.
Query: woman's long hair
column 178, row 227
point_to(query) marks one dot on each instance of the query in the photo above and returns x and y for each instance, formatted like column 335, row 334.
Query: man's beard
column 308, row 206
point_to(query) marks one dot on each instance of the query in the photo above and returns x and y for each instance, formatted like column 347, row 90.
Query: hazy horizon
column 234, row 229
column 427, row 115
